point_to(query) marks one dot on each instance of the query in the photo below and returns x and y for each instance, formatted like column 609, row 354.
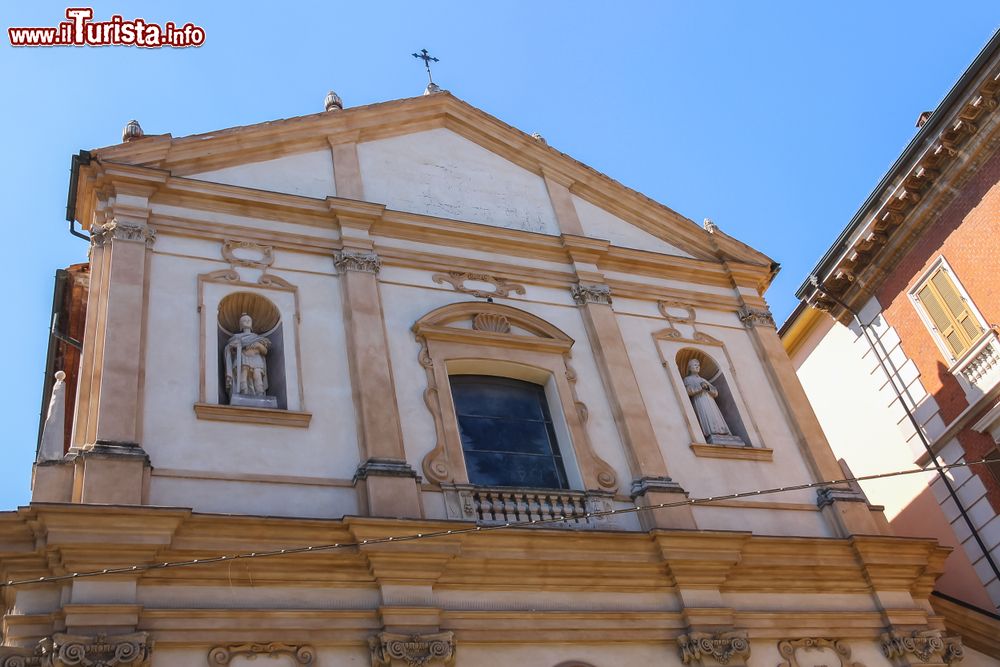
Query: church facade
column 403, row 385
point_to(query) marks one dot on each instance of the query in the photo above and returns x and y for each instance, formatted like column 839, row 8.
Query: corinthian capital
column 584, row 294
column 414, row 650
column 366, row 262
column 122, row 231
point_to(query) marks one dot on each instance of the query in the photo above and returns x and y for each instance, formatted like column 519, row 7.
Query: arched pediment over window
column 491, row 322
column 480, row 338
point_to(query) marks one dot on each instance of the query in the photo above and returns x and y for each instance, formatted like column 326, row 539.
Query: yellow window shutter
column 951, row 315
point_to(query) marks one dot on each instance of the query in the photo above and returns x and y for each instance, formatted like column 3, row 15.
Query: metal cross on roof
column 428, row 59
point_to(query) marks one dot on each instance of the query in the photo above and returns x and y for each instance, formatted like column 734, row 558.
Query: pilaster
column 386, row 484
column 652, row 484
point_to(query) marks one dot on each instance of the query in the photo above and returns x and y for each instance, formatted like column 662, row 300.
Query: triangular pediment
column 434, row 156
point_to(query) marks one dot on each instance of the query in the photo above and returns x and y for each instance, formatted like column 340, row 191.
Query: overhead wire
column 597, row 514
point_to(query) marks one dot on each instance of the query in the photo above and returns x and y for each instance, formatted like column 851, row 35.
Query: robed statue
column 246, row 366
column 703, row 396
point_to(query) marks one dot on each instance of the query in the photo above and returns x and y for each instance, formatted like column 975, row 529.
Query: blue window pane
column 498, row 469
column 498, row 434
column 494, row 399
column 506, row 433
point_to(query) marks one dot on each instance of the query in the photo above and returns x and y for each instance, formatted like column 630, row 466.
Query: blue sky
column 774, row 119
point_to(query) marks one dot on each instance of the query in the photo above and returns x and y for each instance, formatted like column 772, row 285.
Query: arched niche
column 251, row 358
column 726, row 400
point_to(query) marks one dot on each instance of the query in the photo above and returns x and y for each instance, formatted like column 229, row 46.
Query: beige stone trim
column 729, row 452
column 542, row 352
column 346, row 169
column 246, row 477
column 266, row 281
column 308, row 133
column 979, row 631
column 246, row 415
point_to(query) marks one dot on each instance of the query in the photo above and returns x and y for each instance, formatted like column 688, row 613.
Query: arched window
column 251, row 352
column 507, row 433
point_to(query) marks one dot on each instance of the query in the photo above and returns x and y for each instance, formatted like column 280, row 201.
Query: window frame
column 941, row 264
column 529, row 349
column 549, row 418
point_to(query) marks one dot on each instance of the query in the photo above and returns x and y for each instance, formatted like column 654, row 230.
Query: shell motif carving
column 491, row 322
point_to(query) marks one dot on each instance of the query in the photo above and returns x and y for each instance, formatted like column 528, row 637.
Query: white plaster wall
column 598, row 223
column 236, row 224
column 673, row 427
column 176, row 439
column 870, row 440
column 437, row 172
column 307, row 174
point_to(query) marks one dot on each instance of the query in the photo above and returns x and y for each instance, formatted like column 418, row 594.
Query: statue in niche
column 246, row 367
column 703, row 394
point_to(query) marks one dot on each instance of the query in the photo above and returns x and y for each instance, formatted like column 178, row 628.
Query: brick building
column 916, row 267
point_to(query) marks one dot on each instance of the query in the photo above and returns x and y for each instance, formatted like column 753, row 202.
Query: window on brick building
column 947, row 310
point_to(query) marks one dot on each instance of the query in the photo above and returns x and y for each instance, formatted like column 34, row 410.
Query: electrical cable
column 146, row 567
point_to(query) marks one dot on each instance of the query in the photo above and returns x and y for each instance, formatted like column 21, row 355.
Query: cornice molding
column 199, row 153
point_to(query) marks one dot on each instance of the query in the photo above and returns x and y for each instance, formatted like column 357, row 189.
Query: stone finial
column 132, row 131
column 538, row 137
column 710, row 226
column 333, row 102
column 433, row 88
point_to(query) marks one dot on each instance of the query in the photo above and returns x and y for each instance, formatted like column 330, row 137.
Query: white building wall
column 867, row 426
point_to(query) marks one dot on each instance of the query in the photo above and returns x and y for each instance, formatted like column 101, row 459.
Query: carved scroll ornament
column 789, row 649
column 303, row 654
column 723, row 647
column 457, row 279
column 414, row 650
column 927, row 646
column 688, row 320
column 62, row 650
column 231, row 248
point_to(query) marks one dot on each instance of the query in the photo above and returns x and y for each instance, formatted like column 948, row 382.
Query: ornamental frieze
column 62, row 650
column 413, row 650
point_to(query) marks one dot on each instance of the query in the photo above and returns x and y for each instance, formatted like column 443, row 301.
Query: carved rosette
column 413, row 650
column 457, row 279
column 303, row 654
column 122, row 231
column 101, row 651
column 752, row 317
column 584, row 294
column 789, row 648
column 722, row 647
column 927, row 647
column 364, row 262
